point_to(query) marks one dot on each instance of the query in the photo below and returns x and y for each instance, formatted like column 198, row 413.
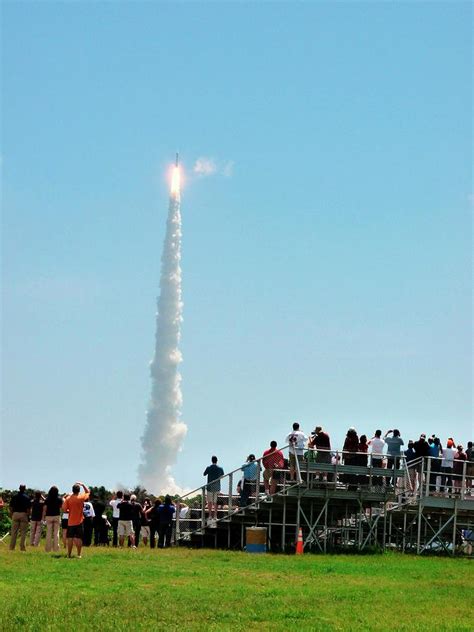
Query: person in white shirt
column 297, row 443
column 114, row 503
column 89, row 514
column 377, row 445
column 447, row 463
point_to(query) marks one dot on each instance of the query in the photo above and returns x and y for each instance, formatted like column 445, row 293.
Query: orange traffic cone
column 299, row 542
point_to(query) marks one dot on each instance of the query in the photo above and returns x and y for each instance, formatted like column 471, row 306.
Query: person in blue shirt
column 250, row 471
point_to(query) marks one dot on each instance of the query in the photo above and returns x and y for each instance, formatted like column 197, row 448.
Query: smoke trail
column 164, row 432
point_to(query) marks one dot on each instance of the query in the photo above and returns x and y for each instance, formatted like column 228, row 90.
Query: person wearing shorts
column 273, row 460
column 125, row 523
column 74, row 505
column 213, row 473
column 296, row 441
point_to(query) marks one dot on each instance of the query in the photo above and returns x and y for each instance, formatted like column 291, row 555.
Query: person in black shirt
column 20, row 507
column 99, row 508
column 36, row 519
column 153, row 515
column 165, row 516
column 51, row 511
column 125, row 524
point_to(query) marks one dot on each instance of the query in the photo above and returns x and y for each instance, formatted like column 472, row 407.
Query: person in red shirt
column 74, row 504
column 272, row 460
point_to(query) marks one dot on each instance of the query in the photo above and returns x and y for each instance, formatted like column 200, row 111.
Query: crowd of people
column 81, row 520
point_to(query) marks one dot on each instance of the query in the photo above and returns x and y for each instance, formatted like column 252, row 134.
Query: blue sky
column 327, row 275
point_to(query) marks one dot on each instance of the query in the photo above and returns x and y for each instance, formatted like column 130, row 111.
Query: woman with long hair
column 51, row 511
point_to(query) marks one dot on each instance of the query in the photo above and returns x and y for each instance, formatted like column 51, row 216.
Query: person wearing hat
column 250, row 471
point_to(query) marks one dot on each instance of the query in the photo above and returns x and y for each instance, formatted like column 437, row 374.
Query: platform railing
column 230, row 496
column 333, row 469
column 428, row 477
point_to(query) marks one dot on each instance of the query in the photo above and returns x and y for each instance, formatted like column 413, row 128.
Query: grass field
column 117, row 590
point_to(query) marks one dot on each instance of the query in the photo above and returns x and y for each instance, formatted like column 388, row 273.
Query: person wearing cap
column 322, row 442
column 422, row 450
column 250, row 471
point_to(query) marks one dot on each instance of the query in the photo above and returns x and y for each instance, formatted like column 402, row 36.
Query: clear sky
column 327, row 241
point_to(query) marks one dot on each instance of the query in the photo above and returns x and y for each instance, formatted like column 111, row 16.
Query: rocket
column 177, row 156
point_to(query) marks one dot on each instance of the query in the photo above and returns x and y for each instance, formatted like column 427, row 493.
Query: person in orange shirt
column 74, row 504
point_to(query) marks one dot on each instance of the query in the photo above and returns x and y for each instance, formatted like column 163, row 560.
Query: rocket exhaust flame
column 164, row 432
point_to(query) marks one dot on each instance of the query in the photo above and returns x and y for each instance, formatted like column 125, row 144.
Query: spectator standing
column 469, row 467
column 125, row 523
column 213, row 473
column 410, row 456
column 20, row 508
column 64, row 522
column 435, row 463
column 394, row 445
column 165, row 514
column 321, row 441
column 250, row 471
column 377, row 445
column 447, row 463
column 36, row 518
column 349, row 453
column 362, row 458
column 88, row 524
column 458, row 468
column 272, row 461
column 99, row 510
column 145, row 522
column 296, row 441
column 153, row 515
column 114, row 503
column 422, row 450
column 51, row 510
column 137, row 518
column 74, row 505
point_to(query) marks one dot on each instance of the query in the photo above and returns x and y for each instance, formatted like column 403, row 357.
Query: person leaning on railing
column 250, row 474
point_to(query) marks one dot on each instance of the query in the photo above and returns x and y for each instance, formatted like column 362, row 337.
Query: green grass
column 185, row 589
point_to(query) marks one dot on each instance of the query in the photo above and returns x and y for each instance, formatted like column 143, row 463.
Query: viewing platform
column 339, row 507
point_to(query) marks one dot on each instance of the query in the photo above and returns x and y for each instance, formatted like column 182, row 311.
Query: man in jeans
column 20, row 508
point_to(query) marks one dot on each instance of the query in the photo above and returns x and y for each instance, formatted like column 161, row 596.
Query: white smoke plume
column 205, row 166
column 164, row 431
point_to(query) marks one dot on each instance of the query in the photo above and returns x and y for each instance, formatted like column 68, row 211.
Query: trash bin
column 256, row 539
